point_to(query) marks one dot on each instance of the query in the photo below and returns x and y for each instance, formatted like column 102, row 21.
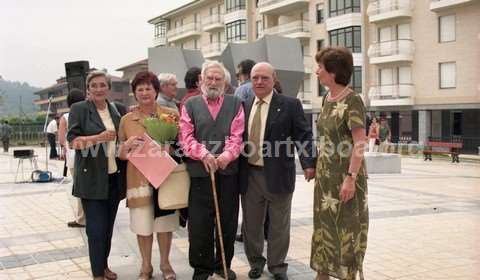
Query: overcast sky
column 38, row 37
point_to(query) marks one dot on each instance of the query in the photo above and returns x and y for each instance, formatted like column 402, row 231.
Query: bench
column 452, row 149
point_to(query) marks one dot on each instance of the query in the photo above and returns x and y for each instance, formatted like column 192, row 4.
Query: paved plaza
column 424, row 224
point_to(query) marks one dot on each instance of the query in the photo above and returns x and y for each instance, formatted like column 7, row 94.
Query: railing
column 264, row 3
column 383, row 6
column 393, row 47
column 394, row 91
column 189, row 27
column 213, row 19
column 287, row 28
column 27, row 134
column 214, row 47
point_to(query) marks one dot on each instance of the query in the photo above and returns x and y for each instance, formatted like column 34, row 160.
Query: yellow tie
column 255, row 132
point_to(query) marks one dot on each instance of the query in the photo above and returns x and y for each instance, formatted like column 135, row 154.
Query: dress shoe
column 74, row 224
column 280, row 276
column 239, row 238
column 255, row 273
column 231, row 274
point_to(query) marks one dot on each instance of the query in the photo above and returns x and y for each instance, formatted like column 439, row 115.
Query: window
column 448, row 75
column 236, row 31
column 319, row 14
column 160, row 30
column 195, row 44
column 320, row 44
column 341, row 7
column 356, row 81
column 446, row 29
column 349, row 37
column 233, row 5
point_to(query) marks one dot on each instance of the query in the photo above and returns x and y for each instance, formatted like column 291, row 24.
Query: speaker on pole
column 76, row 73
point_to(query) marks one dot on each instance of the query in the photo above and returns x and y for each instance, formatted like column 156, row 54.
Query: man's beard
column 212, row 93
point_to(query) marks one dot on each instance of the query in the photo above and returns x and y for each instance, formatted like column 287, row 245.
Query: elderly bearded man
column 211, row 128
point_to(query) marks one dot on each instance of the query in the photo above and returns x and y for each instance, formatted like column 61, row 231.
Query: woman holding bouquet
column 145, row 217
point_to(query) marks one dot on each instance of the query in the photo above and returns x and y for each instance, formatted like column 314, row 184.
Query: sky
column 38, row 37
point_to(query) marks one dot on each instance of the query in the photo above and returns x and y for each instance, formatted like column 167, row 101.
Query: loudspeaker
column 76, row 73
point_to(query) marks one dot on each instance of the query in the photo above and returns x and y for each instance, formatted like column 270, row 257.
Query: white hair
column 213, row 64
column 164, row 78
column 228, row 77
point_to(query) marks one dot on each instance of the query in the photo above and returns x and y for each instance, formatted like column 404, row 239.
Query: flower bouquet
column 163, row 128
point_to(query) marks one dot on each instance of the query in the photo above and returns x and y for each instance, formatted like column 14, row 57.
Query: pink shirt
column 198, row 151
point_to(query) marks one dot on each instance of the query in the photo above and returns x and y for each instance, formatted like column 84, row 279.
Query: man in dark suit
column 274, row 124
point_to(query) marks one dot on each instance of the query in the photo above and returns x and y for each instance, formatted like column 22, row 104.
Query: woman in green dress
column 340, row 214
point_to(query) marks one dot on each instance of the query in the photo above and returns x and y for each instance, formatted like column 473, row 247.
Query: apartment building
column 424, row 68
column 416, row 63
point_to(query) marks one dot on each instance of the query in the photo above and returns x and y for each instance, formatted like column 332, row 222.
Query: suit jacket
column 286, row 126
column 91, row 164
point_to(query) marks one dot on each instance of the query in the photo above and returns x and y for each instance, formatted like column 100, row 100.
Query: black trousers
column 100, row 216
column 204, row 252
column 53, row 145
column 6, row 144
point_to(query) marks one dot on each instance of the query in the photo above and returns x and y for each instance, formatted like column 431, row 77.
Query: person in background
column 192, row 83
column 384, row 135
column 340, row 217
column 168, row 90
column 211, row 127
column 6, row 131
column 373, row 133
column 51, row 131
column 99, row 176
column 145, row 216
column 244, row 91
column 73, row 97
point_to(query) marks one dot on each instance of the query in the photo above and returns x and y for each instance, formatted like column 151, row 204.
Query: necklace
column 339, row 96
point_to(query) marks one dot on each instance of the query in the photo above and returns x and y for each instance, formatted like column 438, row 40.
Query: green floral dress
column 340, row 232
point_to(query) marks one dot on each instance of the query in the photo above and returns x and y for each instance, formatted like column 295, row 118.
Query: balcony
column 440, row 5
column 213, row 50
column 277, row 7
column 380, row 10
column 234, row 14
column 392, row 95
column 159, row 41
column 213, row 23
column 391, row 51
column 185, row 31
column 297, row 29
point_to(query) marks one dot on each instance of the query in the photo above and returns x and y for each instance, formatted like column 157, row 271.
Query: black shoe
column 74, row 224
column 255, row 273
column 231, row 274
column 280, row 276
column 239, row 238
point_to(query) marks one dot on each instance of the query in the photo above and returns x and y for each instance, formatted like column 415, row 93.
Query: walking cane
column 219, row 224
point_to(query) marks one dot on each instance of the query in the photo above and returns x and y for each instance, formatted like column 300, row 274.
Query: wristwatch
column 353, row 175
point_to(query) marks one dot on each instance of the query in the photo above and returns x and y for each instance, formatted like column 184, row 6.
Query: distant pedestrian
column 6, row 131
column 373, row 140
column 52, row 129
column 384, row 135
column 192, row 83
column 244, row 91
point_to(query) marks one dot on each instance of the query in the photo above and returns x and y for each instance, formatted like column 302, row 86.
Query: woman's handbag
column 173, row 192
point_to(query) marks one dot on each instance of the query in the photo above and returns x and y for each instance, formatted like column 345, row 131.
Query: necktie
column 255, row 132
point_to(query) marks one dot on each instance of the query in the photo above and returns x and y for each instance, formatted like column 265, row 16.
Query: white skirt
column 143, row 223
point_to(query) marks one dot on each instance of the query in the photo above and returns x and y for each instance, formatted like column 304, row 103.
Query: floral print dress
column 340, row 232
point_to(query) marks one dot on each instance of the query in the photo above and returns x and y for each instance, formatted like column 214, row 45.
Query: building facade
column 416, row 63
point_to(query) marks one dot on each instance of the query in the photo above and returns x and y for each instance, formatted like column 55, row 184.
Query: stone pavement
column 424, row 224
